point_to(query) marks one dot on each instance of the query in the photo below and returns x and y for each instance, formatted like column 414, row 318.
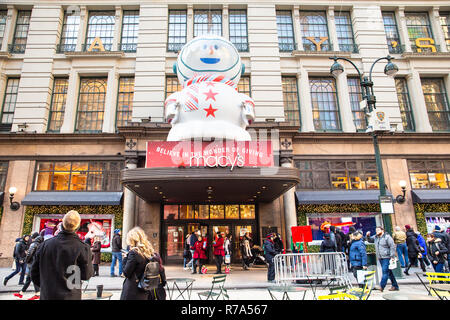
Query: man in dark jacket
column 413, row 249
column 116, row 249
column 445, row 239
column 270, row 253
column 62, row 262
column 20, row 253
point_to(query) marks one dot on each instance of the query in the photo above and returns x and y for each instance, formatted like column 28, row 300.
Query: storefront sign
column 230, row 154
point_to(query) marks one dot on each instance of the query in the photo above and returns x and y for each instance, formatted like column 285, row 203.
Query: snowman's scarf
column 209, row 78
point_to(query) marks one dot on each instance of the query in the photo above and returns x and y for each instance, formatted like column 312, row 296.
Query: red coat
column 218, row 247
column 199, row 252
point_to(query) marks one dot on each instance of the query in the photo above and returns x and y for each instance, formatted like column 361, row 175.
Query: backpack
column 150, row 279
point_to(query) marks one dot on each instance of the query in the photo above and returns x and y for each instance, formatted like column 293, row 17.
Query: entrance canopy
column 193, row 184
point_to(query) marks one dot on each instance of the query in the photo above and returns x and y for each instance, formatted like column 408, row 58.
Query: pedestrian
column 61, row 261
column 37, row 239
column 219, row 252
column 423, row 248
column 96, row 255
column 414, row 252
column 116, row 253
column 159, row 293
column 357, row 253
column 246, row 252
column 192, row 240
column 186, row 252
column 199, row 256
column 436, row 252
column 270, row 253
column 20, row 253
column 385, row 251
column 327, row 244
column 332, row 234
column 140, row 253
column 278, row 243
column 445, row 238
column 340, row 238
column 400, row 242
column 228, row 250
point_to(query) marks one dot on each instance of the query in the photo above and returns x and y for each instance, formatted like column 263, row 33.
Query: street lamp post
column 366, row 84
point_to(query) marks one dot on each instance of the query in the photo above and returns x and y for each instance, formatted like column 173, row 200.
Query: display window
column 438, row 219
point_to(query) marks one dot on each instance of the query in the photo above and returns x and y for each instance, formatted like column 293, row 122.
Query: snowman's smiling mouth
column 210, row 60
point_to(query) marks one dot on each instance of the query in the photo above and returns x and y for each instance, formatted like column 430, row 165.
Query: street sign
column 386, row 204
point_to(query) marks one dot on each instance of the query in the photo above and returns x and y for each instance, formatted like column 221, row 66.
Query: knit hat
column 116, row 231
column 436, row 227
column 407, row 227
column 34, row 235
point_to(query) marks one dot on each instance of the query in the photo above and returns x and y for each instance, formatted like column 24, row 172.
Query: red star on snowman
column 210, row 111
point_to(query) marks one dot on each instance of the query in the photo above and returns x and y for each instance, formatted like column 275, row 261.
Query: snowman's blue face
column 209, row 55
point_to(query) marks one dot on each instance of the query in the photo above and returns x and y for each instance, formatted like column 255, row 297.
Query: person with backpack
column 158, row 292
column 134, row 264
column 20, row 253
column 37, row 239
column 96, row 255
column 436, row 252
column 219, row 252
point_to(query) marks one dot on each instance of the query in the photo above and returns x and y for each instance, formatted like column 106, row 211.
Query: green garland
column 303, row 209
column 421, row 208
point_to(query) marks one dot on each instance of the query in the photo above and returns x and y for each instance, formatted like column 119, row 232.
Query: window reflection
column 236, row 211
column 232, row 212
column 429, row 174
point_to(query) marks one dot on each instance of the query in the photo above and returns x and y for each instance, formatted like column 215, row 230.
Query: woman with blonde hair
column 141, row 251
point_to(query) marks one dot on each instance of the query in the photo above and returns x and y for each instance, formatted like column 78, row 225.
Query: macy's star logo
column 210, row 111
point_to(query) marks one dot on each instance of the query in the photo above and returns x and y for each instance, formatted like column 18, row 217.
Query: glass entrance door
column 239, row 233
column 175, row 243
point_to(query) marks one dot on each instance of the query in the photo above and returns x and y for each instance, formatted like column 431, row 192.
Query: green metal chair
column 217, row 289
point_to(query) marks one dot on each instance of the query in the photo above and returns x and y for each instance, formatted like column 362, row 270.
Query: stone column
column 418, row 106
column 129, row 203
column 298, row 37
column 117, row 29
column 8, row 33
column 290, row 212
column 345, row 109
column 225, row 22
column 190, row 23
column 82, row 29
column 332, row 29
column 439, row 37
column 402, row 28
column 68, row 125
column 305, row 102
column 109, row 117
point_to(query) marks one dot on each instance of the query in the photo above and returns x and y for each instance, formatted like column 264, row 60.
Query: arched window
column 91, row 104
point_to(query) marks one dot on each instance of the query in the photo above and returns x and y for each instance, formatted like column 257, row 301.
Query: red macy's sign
column 230, row 154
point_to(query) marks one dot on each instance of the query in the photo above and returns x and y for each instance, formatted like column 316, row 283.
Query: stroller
column 257, row 257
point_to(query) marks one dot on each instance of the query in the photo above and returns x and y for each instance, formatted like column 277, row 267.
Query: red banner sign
column 229, row 154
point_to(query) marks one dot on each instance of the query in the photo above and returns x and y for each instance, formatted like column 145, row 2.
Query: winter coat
column 133, row 269
column 219, row 247
column 399, row 237
column 116, row 243
column 227, row 246
column 434, row 246
column 52, row 267
column 422, row 244
column 199, row 251
column 192, row 240
column 269, row 250
column 20, row 250
column 32, row 250
column 278, row 244
column 384, row 246
column 357, row 253
column 96, row 252
column 339, row 240
column 245, row 248
column 328, row 245
column 412, row 243
column 445, row 238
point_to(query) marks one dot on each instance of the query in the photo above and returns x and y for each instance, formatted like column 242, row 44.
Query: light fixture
column 401, row 197
column 14, row 205
column 336, row 68
column 390, row 69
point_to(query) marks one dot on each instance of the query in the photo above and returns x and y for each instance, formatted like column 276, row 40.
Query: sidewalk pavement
column 255, row 278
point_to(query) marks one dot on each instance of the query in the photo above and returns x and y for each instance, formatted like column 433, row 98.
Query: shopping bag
column 360, row 275
column 392, row 264
column 204, row 269
column 227, row 258
column 227, row 269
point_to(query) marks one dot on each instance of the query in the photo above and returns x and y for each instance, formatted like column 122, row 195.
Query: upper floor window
column 130, row 27
column 91, row 104
column 359, row 117
column 429, row 174
column 3, row 17
column 344, row 31
column 21, row 32
column 58, row 105
column 315, row 31
column 244, row 86
column 290, row 100
column 177, row 30
column 285, row 28
column 3, row 174
column 405, row 104
column 445, row 24
column 324, row 104
column 419, row 29
column 391, row 30
column 172, row 85
column 78, row 176
column 347, row 175
column 9, row 104
column 238, row 29
column 100, row 26
column 207, row 22
column 69, row 35
column 125, row 101
column 437, row 103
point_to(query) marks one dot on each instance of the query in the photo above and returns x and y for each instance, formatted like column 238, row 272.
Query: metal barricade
column 331, row 266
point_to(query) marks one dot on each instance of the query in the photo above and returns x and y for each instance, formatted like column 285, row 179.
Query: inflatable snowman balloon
column 209, row 106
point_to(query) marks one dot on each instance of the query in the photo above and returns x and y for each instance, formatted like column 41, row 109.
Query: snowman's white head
column 208, row 54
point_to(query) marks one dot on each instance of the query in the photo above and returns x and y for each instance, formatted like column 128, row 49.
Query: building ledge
column 298, row 53
column 5, row 55
column 94, row 54
column 426, row 55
